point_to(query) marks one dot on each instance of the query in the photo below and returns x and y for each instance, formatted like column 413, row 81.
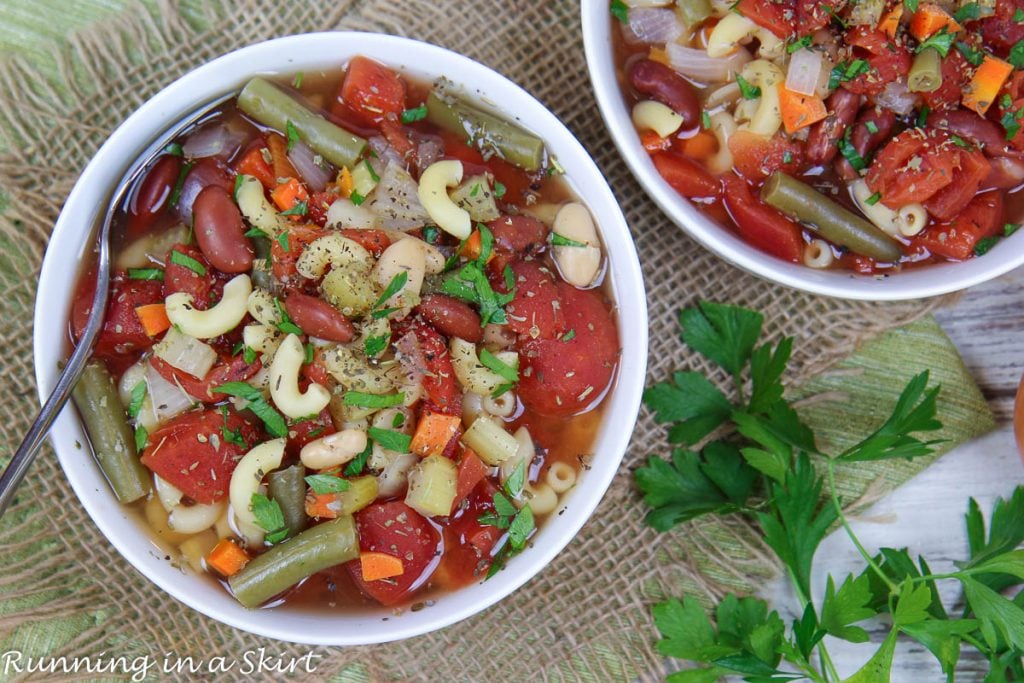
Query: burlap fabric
column 65, row 591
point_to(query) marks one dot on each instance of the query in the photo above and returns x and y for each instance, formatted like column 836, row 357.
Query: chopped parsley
column 800, row 44
column 231, row 435
column 180, row 183
column 968, row 12
column 569, row 336
column 249, row 355
column 145, row 274
column 502, row 389
column 287, row 325
column 364, row 400
column 373, row 174
column 748, row 91
column 705, row 120
column 973, row 56
column 498, row 366
column 873, row 199
column 620, row 11
column 922, row 116
column 187, row 261
column 563, row 241
column 358, row 464
column 254, row 232
column 292, row 133
column 1018, row 16
column 310, row 352
column 272, row 420
column 431, row 234
column 911, row 5
column 141, row 437
column 297, row 81
column 984, row 244
column 394, row 287
column 138, row 397
column 940, row 42
column 850, row 152
column 787, row 157
column 960, row 142
column 327, row 483
column 390, row 440
column 871, row 126
column 1017, row 55
column 1010, row 228
column 298, row 209
column 356, row 198
column 375, row 345
column 499, row 190
column 470, row 284
column 269, row 517
column 174, row 149
column 415, row 114
column 1009, row 122
column 844, row 71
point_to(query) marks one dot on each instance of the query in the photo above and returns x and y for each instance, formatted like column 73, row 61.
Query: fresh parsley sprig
column 765, row 464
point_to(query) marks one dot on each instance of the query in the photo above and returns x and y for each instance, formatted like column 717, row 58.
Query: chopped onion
column 166, row 399
column 697, row 65
column 344, row 214
column 897, row 98
column 385, row 153
column 648, row 25
column 311, row 166
column 212, row 140
column 429, row 148
column 410, row 357
column 186, row 353
column 804, row 71
column 396, row 199
column 394, row 475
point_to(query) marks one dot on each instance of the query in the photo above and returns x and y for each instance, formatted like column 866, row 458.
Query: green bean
column 508, row 141
column 692, row 12
column 315, row 549
column 273, row 107
column 112, row 440
column 926, row 72
column 261, row 274
column 288, row 488
column 832, row 221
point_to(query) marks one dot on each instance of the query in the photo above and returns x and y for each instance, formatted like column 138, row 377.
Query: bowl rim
column 914, row 283
column 330, row 50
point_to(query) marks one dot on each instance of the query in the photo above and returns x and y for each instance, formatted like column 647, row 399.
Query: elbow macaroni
column 907, row 221
column 433, row 193
column 728, row 33
column 818, row 254
column 541, row 498
column 471, row 373
column 245, row 481
column 560, row 477
column 284, row 382
column 263, row 307
column 652, row 115
column 344, row 214
column 525, row 453
column 256, row 209
column 722, row 126
column 331, row 250
column 402, row 256
column 262, row 338
column 216, row 320
column 767, row 118
column 194, row 518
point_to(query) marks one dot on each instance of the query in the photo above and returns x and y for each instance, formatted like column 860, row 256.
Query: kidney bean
column 1006, row 173
column 864, row 141
column 318, row 318
column 451, row 317
column 521, row 235
column 982, row 132
column 656, row 80
column 219, row 231
column 154, row 191
column 821, row 142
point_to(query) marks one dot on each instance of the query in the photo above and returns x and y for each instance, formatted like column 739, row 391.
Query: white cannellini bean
column 284, row 382
column 216, row 320
column 651, row 115
column 253, row 204
column 433, row 193
column 402, row 256
column 245, row 481
column 333, row 449
column 578, row 265
column 192, row 519
column 330, row 250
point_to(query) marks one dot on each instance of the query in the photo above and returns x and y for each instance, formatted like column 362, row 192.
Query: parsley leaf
column 327, row 483
column 292, row 133
column 845, row 607
column 269, row 517
column 394, row 287
column 146, row 274
column 721, row 333
column 562, row 241
column 968, row 12
column 521, row 527
column 365, row 400
column 914, row 412
column 272, row 420
column 376, row 344
column 691, row 402
column 187, row 261
column 358, row 464
column 940, row 42
column 298, row 209
column 138, row 396
column 391, row 440
column 620, row 11
column 498, row 366
column 748, row 91
column 415, row 114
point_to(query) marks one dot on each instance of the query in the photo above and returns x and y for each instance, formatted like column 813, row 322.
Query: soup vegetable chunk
column 356, row 345
column 872, row 135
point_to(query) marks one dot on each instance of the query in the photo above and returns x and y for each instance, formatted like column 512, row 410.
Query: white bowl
column 70, row 243
column 912, row 284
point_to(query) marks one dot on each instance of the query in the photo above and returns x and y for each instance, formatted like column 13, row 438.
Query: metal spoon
column 69, row 377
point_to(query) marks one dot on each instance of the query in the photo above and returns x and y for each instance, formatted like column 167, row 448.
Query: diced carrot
column 322, row 505
column 700, row 146
column 929, row 19
column 981, row 92
column 659, row 55
column 653, row 142
column 227, row 558
column 288, row 194
column 344, row 182
column 473, row 246
column 377, row 566
column 255, row 165
column 799, row 111
column 153, row 318
column 433, row 433
column 283, row 168
column 471, row 472
column 890, row 22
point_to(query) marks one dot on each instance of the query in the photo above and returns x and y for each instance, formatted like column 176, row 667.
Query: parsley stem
column 826, row 659
column 830, row 467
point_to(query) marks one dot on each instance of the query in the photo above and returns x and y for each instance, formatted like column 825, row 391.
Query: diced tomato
column 686, row 176
column 319, row 203
column 471, row 472
column 519, row 235
column 535, row 310
column 468, row 543
column 950, row 200
column 284, row 260
column 812, row 15
column 229, row 369
column 567, row 374
column 122, row 332
column 956, row 239
column 913, row 166
column 517, row 182
column 443, row 392
column 182, row 278
column 191, row 452
column 372, row 91
column 776, row 16
column 888, row 61
column 396, row 529
column 399, row 137
column 1001, row 31
column 757, row 157
column 761, row 225
column 956, row 72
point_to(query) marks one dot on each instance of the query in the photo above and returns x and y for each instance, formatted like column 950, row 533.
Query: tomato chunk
column 444, row 395
column 913, row 166
column 196, row 279
column 757, row 157
column 956, row 239
column 686, row 176
column 191, row 452
column 396, row 529
column 372, row 91
column 887, row 61
column 468, row 543
column 945, row 204
column 761, row 225
column 773, row 15
column 535, row 310
column 230, row 369
column 567, row 374
column 122, row 332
